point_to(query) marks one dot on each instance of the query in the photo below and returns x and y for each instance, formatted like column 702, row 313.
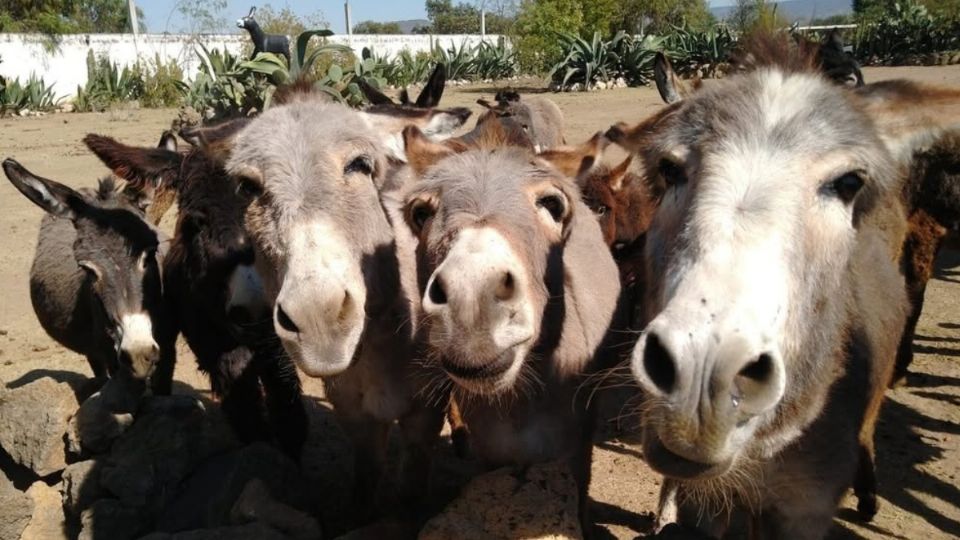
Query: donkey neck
column 256, row 33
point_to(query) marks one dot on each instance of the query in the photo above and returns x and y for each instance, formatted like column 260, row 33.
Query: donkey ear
column 617, row 174
column 634, row 139
column 374, row 96
column 576, row 160
column 145, row 168
column 55, row 198
column 421, row 152
column 433, row 91
column 168, row 141
column 670, row 86
column 253, row 9
column 910, row 116
column 216, row 142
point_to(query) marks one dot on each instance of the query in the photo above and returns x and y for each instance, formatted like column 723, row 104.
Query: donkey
column 95, row 279
column 326, row 252
column 212, row 289
column 539, row 116
column 931, row 194
column 837, row 64
column 263, row 42
column 774, row 298
column 518, row 292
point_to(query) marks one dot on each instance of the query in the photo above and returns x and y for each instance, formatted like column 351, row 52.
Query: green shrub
column 909, row 31
column 163, row 84
column 703, row 53
column 225, row 89
column 108, row 84
column 34, row 95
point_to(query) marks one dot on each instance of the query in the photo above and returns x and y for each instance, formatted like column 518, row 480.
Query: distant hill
column 799, row 10
column 407, row 27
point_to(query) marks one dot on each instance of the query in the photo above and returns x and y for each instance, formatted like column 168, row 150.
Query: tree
column 753, row 15
column 659, row 16
column 373, row 27
column 66, row 16
column 203, row 16
column 288, row 23
column 446, row 18
column 600, row 16
column 536, row 28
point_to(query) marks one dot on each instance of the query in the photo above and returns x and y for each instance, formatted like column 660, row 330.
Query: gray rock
column 542, row 503
column 47, row 521
column 109, row 518
column 256, row 503
column 209, row 495
column 15, row 509
column 171, row 435
column 81, row 486
column 250, row 531
column 34, row 419
column 105, row 415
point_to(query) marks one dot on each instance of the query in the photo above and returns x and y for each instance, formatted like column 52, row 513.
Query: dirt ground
column 918, row 442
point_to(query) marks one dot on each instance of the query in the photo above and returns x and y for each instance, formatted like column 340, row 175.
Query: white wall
column 64, row 64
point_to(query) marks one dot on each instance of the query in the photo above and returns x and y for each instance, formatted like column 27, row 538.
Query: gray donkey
column 95, row 280
column 326, row 252
column 518, row 293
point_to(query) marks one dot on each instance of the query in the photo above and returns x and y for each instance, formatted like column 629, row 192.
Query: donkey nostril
column 506, row 287
column 285, row 322
column 659, row 364
column 437, row 294
column 760, row 370
column 346, row 308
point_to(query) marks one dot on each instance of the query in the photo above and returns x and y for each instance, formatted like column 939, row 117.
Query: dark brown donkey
column 931, row 194
column 212, row 289
column 518, row 294
column 95, row 279
column 774, row 296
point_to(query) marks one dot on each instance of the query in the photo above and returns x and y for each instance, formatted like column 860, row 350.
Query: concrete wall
column 64, row 64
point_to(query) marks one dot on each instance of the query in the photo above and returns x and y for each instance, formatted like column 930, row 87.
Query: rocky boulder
column 47, row 521
column 539, row 502
column 34, row 419
column 15, row 509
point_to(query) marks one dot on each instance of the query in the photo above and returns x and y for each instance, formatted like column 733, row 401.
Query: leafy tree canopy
column 66, row 16
column 373, row 27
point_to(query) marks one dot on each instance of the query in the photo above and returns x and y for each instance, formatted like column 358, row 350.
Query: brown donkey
column 211, row 288
column 518, row 294
column 774, row 298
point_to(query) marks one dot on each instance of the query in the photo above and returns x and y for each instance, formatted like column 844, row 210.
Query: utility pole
column 346, row 15
column 134, row 26
column 483, row 23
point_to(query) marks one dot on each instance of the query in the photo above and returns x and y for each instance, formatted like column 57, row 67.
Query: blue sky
column 162, row 15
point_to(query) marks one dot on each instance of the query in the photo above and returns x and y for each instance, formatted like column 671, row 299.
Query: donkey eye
column 554, row 205
column 846, row 186
column 672, row 173
column 601, row 210
column 420, row 213
column 361, row 165
column 249, row 188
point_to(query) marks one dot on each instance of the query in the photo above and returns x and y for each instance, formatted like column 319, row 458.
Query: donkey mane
column 760, row 50
column 107, row 188
column 301, row 89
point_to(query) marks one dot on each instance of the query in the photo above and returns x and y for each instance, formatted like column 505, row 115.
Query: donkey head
column 118, row 251
column 247, row 22
column 323, row 243
column 770, row 177
column 493, row 227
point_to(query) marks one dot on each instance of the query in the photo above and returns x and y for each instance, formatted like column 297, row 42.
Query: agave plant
column 459, row 61
column 587, row 62
column 494, row 61
column 108, row 83
column 636, row 56
column 225, row 88
column 700, row 52
column 35, row 94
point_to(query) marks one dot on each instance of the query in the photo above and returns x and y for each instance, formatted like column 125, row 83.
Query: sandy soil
column 918, row 443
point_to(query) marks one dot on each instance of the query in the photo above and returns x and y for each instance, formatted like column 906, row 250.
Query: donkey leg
column 237, row 381
column 905, row 351
column 459, row 430
column 865, row 484
column 369, row 437
column 284, row 396
column 420, row 431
